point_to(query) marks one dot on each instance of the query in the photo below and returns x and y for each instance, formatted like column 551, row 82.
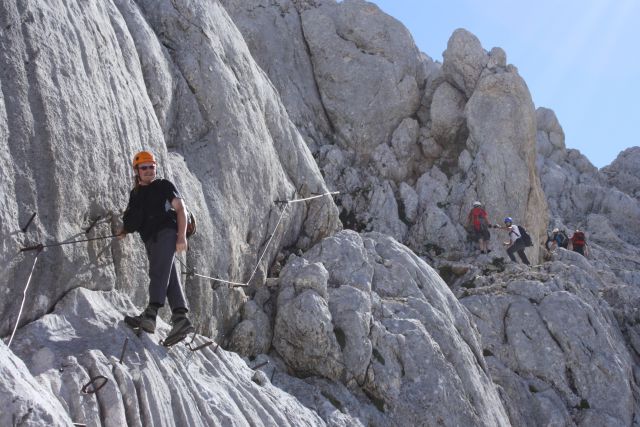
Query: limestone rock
column 497, row 58
column 84, row 337
column 464, row 61
column 624, row 173
column 273, row 33
column 24, row 400
column 253, row 335
column 143, row 85
column 504, row 163
column 583, row 197
column 447, row 114
column 303, row 333
column 548, row 339
column 402, row 336
column 355, row 47
column 409, row 202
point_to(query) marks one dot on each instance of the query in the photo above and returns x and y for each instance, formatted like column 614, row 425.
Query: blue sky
column 579, row 58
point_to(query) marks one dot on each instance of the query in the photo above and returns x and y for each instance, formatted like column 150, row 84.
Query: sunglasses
column 144, row 168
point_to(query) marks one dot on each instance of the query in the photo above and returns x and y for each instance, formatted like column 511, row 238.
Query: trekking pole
column 40, row 246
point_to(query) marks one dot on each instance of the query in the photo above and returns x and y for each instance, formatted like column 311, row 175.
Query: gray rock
column 351, row 316
column 350, row 55
column 26, row 401
column 84, row 336
column 447, row 114
column 143, row 85
column 514, row 190
column 304, row 336
column 404, row 140
column 464, row 60
column 273, row 33
column 253, row 335
column 400, row 334
column 409, row 202
column 623, row 172
column 580, row 196
column 497, row 58
column 555, row 341
column 231, row 106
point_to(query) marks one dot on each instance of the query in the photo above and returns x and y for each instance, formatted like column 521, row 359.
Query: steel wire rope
column 24, row 297
column 264, row 251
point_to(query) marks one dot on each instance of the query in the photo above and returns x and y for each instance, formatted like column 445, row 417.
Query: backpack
column 525, row 236
column 564, row 239
column 191, row 221
column 578, row 238
column 478, row 218
column 191, row 224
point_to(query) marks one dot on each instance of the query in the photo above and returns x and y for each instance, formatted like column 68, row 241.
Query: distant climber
column 478, row 227
column 557, row 239
column 518, row 240
column 579, row 243
column 156, row 211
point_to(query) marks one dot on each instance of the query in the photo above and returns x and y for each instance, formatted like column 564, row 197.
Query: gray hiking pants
column 164, row 280
column 518, row 247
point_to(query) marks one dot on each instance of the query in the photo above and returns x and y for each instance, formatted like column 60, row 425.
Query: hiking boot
column 145, row 320
column 181, row 328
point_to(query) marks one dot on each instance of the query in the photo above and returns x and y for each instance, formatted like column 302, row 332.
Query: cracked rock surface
column 388, row 327
column 84, row 337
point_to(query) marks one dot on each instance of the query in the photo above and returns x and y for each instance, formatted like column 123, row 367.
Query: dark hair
column 136, row 185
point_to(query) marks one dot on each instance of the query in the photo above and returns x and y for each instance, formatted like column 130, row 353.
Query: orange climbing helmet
column 143, row 157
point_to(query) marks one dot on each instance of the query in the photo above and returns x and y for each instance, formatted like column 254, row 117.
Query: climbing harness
column 24, row 296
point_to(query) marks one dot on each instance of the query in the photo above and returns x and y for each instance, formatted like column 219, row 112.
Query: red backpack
column 578, row 238
column 477, row 214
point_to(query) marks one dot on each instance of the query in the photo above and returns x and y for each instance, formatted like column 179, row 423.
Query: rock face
column 346, row 42
column 84, row 338
column 285, row 58
column 470, row 120
column 623, row 173
column 554, row 346
column 25, row 401
column 248, row 103
column 580, row 196
column 365, row 311
column 141, row 85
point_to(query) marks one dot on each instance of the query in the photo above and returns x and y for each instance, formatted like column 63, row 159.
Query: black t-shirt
column 153, row 204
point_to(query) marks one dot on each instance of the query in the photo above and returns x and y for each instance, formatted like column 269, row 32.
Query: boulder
column 464, row 61
column 402, row 337
column 447, row 114
column 355, row 47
